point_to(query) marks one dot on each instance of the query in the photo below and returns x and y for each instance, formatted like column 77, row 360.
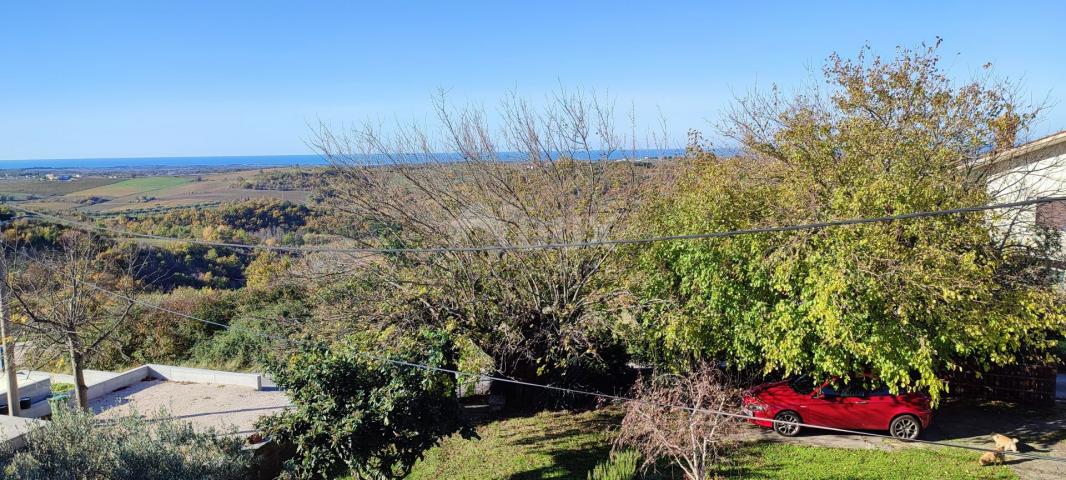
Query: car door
column 843, row 407
column 879, row 408
column 824, row 408
column 855, row 413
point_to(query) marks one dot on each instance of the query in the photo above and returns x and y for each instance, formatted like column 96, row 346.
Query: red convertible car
column 850, row 407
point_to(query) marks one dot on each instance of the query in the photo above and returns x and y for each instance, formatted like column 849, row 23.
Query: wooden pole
column 9, row 350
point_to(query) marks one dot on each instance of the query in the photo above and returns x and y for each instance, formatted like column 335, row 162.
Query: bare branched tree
column 531, row 176
column 59, row 302
column 697, row 442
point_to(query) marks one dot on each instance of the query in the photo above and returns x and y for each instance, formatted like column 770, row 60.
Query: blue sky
column 189, row 78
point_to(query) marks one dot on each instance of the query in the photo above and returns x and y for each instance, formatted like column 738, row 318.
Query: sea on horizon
column 238, row 161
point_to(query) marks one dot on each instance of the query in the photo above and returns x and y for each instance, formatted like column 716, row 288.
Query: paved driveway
column 204, row 405
column 1041, row 431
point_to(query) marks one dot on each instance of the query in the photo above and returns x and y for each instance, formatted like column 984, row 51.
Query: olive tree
column 75, row 445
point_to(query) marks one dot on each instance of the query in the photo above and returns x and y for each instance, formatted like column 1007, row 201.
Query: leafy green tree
column 908, row 300
column 356, row 414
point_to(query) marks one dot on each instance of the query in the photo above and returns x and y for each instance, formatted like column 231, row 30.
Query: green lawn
column 133, row 186
column 568, row 445
column 546, row 445
column 778, row 460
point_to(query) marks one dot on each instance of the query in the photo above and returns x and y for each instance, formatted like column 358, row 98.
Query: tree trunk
column 81, row 391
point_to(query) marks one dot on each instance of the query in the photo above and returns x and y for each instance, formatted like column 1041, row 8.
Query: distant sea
column 142, row 162
column 243, row 161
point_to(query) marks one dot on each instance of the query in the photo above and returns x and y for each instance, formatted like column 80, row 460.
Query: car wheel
column 905, row 427
column 787, row 429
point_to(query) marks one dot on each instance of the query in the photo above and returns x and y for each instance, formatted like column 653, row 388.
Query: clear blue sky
column 188, row 78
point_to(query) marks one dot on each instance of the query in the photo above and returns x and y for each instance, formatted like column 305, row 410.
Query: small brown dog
column 1005, row 443
column 990, row 458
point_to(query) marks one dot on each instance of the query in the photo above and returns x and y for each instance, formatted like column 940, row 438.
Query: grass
column 133, row 186
column 546, row 445
column 780, row 460
column 569, row 445
column 45, row 188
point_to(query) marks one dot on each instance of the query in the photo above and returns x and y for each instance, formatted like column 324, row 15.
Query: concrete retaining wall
column 122, row 380
column 13, row 431
column 35, row 385
column 200, row 375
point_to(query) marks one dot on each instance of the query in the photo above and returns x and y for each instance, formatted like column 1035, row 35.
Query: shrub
column 58, row 388
column 697, row 441
column 76, row 446
column 621, row 466
column 355, row 414
column 242, row 346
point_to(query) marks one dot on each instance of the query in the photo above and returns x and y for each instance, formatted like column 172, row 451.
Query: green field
column 43, row 188
column 568, row 445
column 133, row 186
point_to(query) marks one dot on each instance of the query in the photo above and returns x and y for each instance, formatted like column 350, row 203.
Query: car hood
column 772, row 392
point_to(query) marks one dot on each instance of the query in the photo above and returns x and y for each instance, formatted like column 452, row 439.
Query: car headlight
column 755, row 407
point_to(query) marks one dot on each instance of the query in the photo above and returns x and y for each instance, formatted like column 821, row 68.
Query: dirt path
column 1040, row 431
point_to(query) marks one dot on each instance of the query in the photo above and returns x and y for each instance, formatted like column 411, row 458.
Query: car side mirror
column 821, row 393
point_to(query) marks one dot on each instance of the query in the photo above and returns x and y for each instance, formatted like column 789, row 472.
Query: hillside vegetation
column 482, row 266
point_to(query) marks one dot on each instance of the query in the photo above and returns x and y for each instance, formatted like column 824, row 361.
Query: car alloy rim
column 787, row 428
column 905, row 428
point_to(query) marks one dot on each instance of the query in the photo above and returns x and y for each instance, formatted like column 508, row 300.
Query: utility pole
column 9, row 351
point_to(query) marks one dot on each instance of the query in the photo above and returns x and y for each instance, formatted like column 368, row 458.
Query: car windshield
column 802, row 384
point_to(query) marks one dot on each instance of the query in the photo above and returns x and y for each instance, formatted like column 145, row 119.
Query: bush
column 76, row 446
column 355, row 414
column 621, row 466
column 59, row 388
column 240, row 347
column 697, row 441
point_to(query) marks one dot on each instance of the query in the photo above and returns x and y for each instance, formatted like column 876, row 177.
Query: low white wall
column 121, row 380
column 36, row 386
column 39, row 409
column 200, row 375
column 13, row 431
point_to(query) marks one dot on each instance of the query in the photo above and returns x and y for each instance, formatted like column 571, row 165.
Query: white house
column 1033, row 170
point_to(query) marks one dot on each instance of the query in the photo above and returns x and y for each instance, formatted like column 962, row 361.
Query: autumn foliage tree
column 907, row 300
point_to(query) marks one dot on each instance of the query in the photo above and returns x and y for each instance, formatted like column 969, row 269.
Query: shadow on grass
column 570, row 463
column 574, row 443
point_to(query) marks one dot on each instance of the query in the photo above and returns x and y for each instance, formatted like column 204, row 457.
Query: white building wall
column 1037, row 174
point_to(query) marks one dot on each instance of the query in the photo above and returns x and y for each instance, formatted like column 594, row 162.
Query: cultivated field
column 22, row 187
column 155, row 193
column 133, row 186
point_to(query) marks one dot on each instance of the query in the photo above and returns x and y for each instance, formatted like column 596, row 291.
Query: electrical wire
column 565, row 390
column 545, row 246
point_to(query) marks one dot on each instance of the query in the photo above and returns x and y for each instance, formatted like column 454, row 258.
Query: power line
column 564, row 390
column 548, row 246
